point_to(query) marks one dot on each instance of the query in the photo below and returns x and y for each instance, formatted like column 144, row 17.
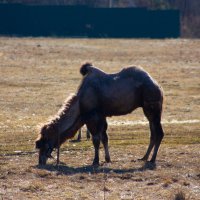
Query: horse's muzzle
column 44, row 155
column 42, row 159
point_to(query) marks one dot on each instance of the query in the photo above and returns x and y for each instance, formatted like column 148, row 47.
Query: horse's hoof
column 95, row 164
column 150, row 165
column 108, row 160
column 152, row 161
column 142, row 159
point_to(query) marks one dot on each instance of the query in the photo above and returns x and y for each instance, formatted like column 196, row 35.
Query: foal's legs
column 153, row 114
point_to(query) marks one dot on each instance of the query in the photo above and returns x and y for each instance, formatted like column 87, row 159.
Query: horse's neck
column 70, row 133
column 68, row 116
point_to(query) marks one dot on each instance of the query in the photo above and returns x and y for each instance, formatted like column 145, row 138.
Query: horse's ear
column 38, row 144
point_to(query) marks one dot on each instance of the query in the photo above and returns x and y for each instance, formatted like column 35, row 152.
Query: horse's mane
column 65, row 112
column 66, row 106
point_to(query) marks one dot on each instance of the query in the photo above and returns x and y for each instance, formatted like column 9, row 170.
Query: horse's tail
column 85, row 68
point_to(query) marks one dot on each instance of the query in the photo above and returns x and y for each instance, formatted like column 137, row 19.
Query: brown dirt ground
column 37, row 74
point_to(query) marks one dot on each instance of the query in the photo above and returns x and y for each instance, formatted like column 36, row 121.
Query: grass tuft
column 33, row 187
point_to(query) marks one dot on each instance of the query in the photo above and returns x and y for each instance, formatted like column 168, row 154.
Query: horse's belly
column 120, row 105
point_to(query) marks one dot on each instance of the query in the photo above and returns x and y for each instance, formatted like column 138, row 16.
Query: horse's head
column 45, row 144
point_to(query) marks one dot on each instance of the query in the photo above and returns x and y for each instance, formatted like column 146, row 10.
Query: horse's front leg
column 105, row 145
column 96, row 143
column 93, row 122
column 104, row 139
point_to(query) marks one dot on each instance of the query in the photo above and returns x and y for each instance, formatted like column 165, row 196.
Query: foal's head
column 46, row 142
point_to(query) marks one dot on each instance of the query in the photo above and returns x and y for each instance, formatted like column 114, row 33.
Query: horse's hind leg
column 153, row 114
column 157, row 128
column 151, row 144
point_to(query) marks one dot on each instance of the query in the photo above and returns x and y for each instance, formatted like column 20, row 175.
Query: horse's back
column 119, row 93
column 152, row 92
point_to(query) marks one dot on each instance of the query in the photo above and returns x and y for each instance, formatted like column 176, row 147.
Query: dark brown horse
column 101, row 95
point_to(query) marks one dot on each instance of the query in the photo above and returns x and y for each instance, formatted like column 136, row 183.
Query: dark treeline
column 190, row 9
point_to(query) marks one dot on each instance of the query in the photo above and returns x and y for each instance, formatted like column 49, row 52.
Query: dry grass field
column 37, row 74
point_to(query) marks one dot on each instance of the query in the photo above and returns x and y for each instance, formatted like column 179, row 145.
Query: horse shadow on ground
column 62, row 168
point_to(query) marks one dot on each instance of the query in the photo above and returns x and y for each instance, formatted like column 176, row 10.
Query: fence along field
column 82, row 21
column 37, row 74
